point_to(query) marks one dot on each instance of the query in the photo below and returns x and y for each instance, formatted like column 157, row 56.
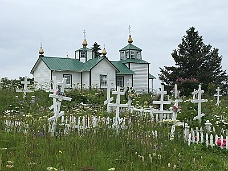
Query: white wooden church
column 84, row 70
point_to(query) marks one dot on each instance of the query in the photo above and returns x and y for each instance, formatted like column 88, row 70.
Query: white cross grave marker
column 53, row 83
column 25, row 90
column 109, row 99
column 176, row 102
column 58, row 96
column 118, row 105
column 129, row 98
column 162, row 102
column 199, row 101
column 218, row 95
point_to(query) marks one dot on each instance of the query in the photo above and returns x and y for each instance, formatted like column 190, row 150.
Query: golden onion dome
column 130, row 40
column 84, row 43
column 104, row 52
column 41, row 51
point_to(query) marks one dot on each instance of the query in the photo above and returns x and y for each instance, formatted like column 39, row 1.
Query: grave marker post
column 199, row 101
column 25, row 89
column 118, row 105
column 218, row 95
column 109, row 99
column 58, row 96
column 162, row 102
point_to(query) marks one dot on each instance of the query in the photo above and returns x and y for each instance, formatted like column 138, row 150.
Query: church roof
column 151, row 76
column 92, row 63
column 123, row 69
column 57, row 63
column 84, row 49
column 69, row 64
column 138, row 61
column 65, row 64
column 130, row 46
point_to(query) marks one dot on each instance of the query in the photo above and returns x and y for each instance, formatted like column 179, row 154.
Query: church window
column 138, row 55
column 83, row 54
column 121, row 55
column 120, row 81
column 126, row 54
column 68, row 78
column 103, row 80
column 132, row 55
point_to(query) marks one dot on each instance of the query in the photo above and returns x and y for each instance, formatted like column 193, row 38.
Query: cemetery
column 113, row 129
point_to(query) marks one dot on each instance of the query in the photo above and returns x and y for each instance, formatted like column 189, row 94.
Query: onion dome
column 130, row 40
column 41, row 51
column 84, row 43
column 104, row 52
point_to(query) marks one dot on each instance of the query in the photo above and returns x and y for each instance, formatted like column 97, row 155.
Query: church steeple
column 130, row 51
column 83, row 54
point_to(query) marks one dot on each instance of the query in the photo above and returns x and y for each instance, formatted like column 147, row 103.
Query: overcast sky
column 157, row 27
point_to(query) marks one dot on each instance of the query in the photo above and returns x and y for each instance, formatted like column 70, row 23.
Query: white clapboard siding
column 42, row 74
column 103, row 68
column 140, row 77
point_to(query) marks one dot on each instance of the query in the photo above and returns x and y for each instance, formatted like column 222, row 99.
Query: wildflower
column 10, row 162
column 60, row 152
column 219, row 143
column 174, row 167
column 168, row 164
column 112, row 168
column 9, row 166
column 159, row 156
column 51, row 168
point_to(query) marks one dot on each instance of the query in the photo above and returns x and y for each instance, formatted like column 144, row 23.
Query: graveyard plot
column 85, row 137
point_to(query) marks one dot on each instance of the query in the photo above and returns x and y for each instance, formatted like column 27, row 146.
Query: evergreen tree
column 195, row 62
column 95, row 50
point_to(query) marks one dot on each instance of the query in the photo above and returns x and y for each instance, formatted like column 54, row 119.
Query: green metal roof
column 130, row 47
column 87, row 66
column 138, row 61
column 123, row 69
column 151, row 76
column 84, row 49
column 64, row 64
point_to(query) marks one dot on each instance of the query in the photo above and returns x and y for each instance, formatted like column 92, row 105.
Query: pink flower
column 219, row 142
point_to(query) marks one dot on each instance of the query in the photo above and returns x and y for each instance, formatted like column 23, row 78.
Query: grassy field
column 135, row 147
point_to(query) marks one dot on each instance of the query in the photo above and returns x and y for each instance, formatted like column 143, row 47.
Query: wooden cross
column 199, row 101
column 118, row 105
column 129, row 83
column 84, row 32
column 109, row 99
column 57, row 99
column 25, row 90
column 162, row 102
column 176, row 92
column 218, row 95
column 129, row 28
column 53, row 83
column 176, row 102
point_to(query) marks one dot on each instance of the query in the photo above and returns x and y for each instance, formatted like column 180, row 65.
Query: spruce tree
column 95, row 49
column 195, row 62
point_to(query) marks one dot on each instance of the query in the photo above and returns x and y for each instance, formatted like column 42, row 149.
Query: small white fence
column 210, row 138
